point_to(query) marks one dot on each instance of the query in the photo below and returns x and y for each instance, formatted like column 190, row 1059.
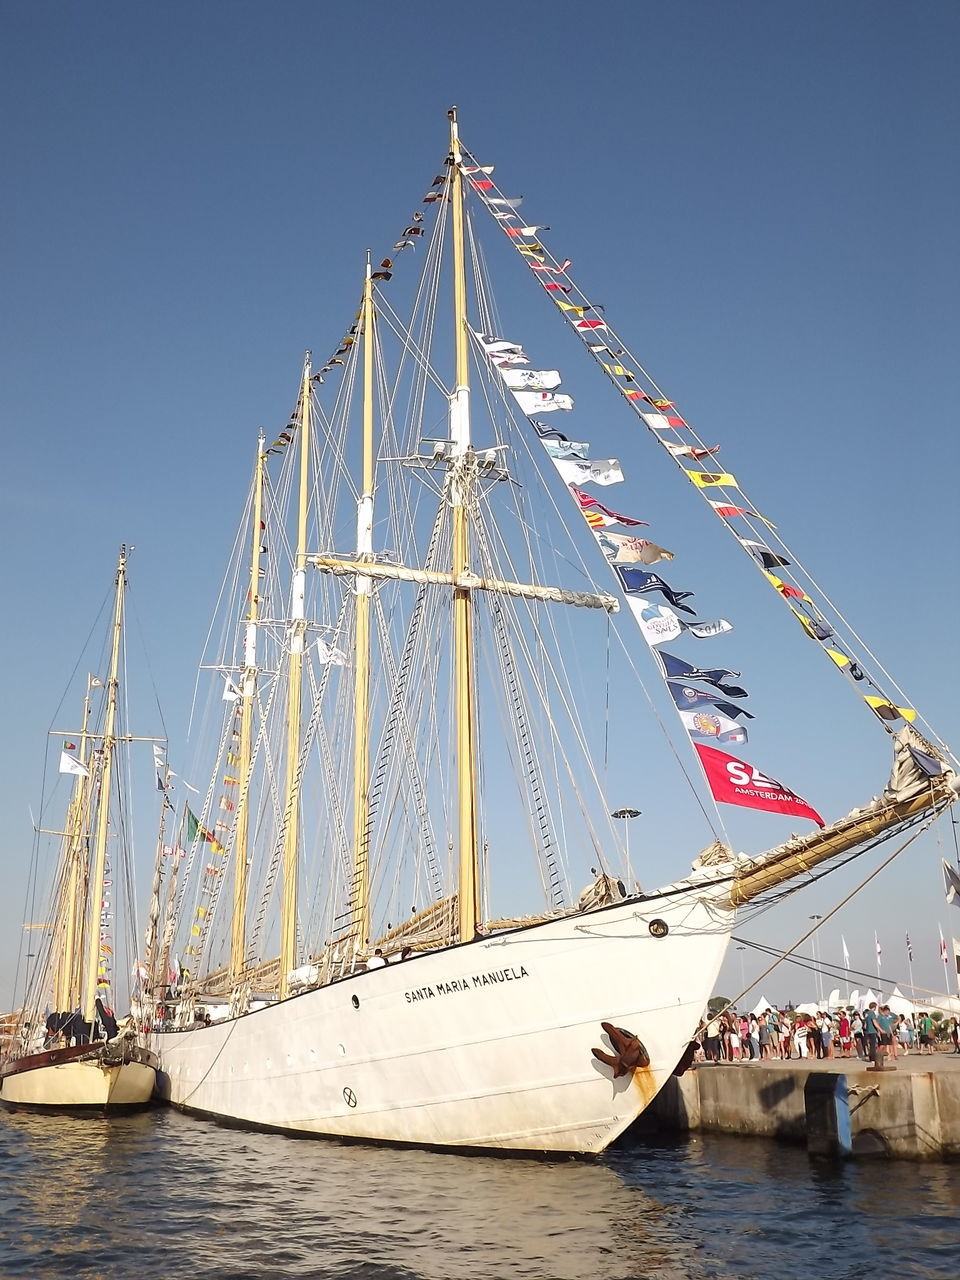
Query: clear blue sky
column 764, row 196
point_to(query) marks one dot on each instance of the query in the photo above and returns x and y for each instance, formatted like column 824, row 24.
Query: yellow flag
column 887, row 711
column 619, row 371
column 568, row 306
column 704, row 479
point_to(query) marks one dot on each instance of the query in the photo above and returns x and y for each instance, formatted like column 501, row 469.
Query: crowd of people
column 876, row 1035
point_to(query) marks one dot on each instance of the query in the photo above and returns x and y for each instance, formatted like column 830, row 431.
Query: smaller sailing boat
column 78, row 1056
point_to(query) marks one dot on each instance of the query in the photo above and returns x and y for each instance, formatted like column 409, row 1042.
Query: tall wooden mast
column 248, row 689
column 461, row 480
column 298, row 628
column 95, row 889
column 69, row 977
column 364, row 590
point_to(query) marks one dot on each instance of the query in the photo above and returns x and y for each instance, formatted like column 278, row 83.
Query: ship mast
column 67, row 987
column 364, row 590
column 460, row 494
column 298, row 628
column 95, row 891
column 248, row 689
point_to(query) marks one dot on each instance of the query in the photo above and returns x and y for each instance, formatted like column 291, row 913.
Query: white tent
column 900, row 1004
column 833, row 999
column 808, row 1008
column 762, row 1007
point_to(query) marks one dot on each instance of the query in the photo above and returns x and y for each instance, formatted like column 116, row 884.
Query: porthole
column 658, row 928
column 355, row 1001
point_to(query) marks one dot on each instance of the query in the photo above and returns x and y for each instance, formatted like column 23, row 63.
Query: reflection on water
column 161, row 1196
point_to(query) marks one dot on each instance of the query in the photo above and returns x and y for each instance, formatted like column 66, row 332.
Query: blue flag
column 677, row 669
column 636, row 581
column 688, row 699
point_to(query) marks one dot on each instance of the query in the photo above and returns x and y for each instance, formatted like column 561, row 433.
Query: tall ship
column 404, row 909
column 66, row 1049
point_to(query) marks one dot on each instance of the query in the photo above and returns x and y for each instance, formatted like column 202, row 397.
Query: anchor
column 628, row 1052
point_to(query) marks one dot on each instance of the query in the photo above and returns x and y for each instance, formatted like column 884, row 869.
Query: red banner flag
column 733, row 781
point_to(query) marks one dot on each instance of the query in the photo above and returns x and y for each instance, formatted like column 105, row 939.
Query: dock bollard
column 827, row 1108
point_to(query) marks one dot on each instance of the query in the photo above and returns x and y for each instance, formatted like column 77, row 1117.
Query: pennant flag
column 909, row 949
column 560, row 269
column 689, row 699
column 786, row 590
column 677, row 669
column 524, row 231
column 623, row 548
column 506, row 202
column 728, row 512
column 590, row 324
column 762, row 553
column 531, row 379
column 705, row 479
column 887, row 711
column 704, row 630
column 567, row 448
column 943, row 945
column 842, row 661
column 69, row 765
column 480, row 168
column 657, row 623
column 846, row 953
column 734, row 781
column 580, row 471
column 481, row 184
column 712, row 726
column 951, row 882
column 688, row 450
column 817, row 628
column 542, row 401
column 926, row 763
column 588, row 502
column 662, row 421
column 638, row 580
column 619, row 371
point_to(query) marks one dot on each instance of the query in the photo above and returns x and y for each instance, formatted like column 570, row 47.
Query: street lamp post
column 626, row 815
column 816, row 959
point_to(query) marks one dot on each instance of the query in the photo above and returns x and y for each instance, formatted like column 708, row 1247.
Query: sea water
column 159, row 1196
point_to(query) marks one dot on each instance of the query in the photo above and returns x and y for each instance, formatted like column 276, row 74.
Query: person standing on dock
column 871, row 1032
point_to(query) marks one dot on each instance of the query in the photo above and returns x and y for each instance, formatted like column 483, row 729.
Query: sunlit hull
column 487, row 1045
column 63, row 1081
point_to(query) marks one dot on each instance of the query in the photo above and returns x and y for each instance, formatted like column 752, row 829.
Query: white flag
column 951, row 882
column 531, row 379
column 578, row 471
column 95, row 682
column 541, row 401
column 846, row 953
column 713, row 726
column 657, row 623
column 69, row 765
column 230, row 691
column 326, row 653
column 876, row 941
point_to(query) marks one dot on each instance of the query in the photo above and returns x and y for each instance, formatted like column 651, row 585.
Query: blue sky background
column 764, row 196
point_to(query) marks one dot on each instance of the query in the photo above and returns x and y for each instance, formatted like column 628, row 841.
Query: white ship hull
column 88, row 1084
column 487, row 1045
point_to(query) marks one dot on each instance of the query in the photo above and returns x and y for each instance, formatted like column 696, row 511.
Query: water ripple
column 161, row 1195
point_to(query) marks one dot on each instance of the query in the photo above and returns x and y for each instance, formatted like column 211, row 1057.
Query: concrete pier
column 910, row 1111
